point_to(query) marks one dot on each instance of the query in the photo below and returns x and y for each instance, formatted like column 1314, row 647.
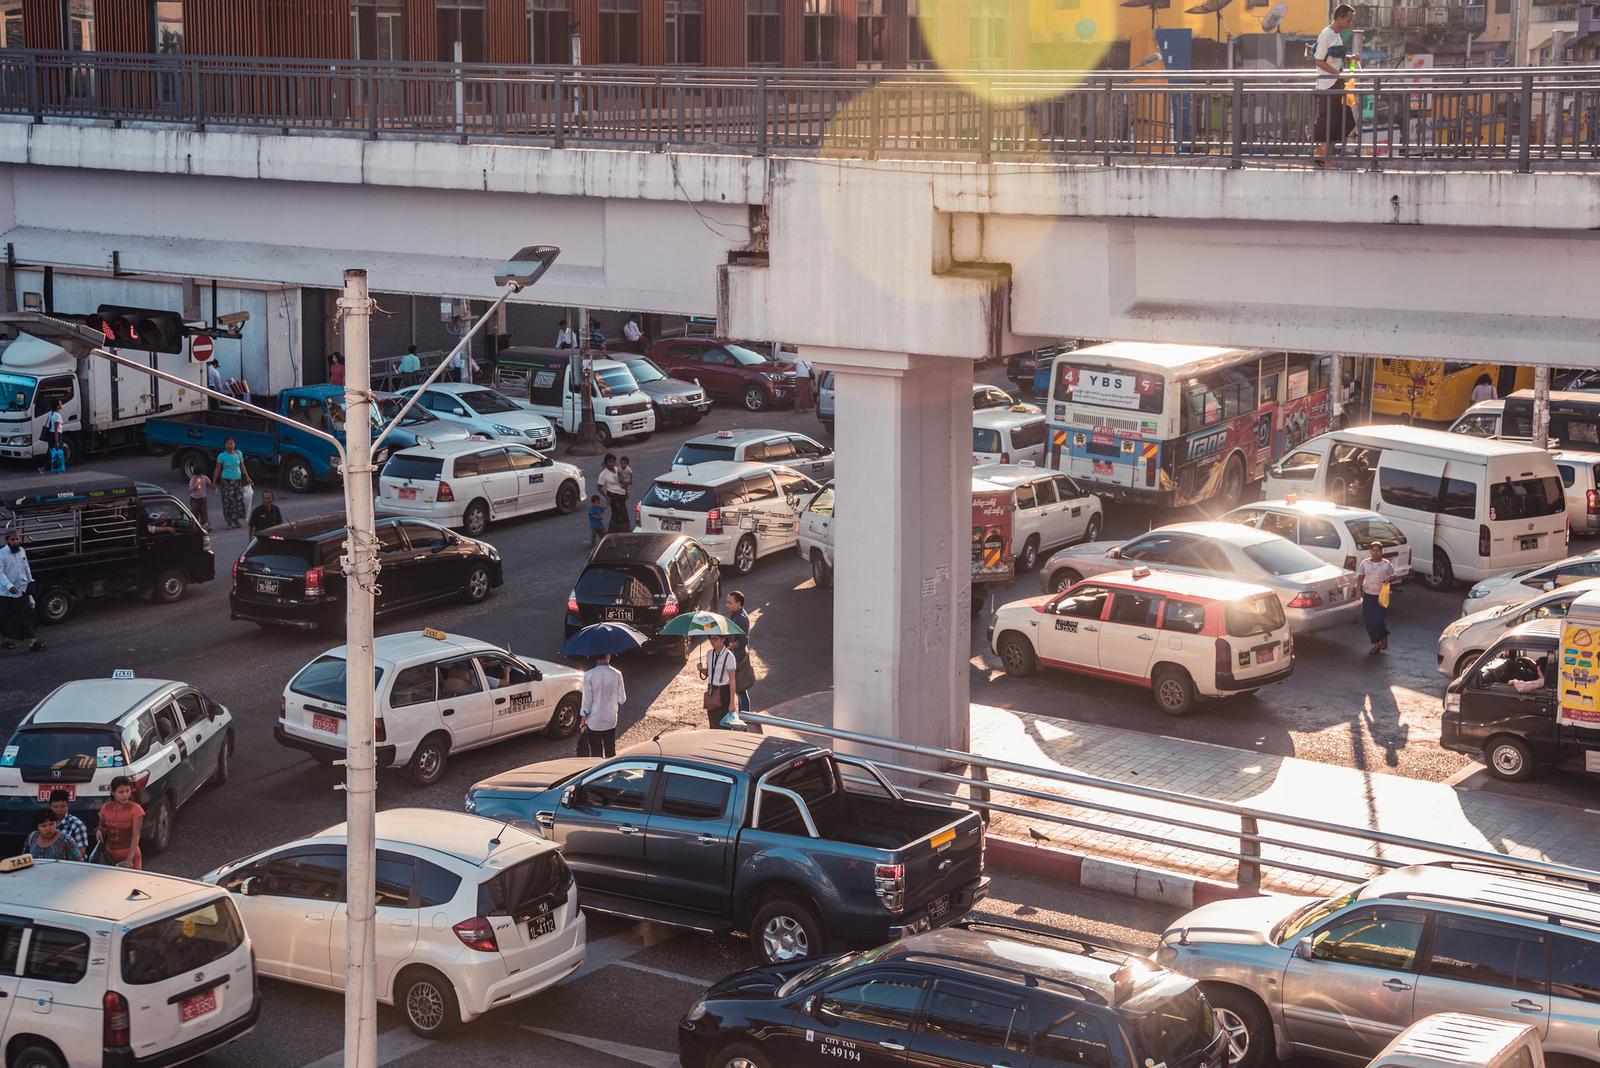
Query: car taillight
column 283, row 706
column 1349, row 563
column 445, row 492
column 572, row 602
column 314, row 582
column 1224, row 664
column 114, row 1023
column 1306, row 599
column 1592, row 499
column 378, row 733
column 638, row 517
column 1005, row 457
column 1483, row 539
column 140, row 781
column 714, row 521
column 670, row 607
column 890, row 880
column 239, row 561
column 477, row 933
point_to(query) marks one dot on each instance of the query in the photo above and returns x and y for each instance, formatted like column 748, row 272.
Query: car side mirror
column 568, row 795
column 1302, row 949
column 458, row 411
column 1115, row 552
column 1275, row 471
column 1549, row 585
column 810, row 1006
column 248, row 887
column 212, row 711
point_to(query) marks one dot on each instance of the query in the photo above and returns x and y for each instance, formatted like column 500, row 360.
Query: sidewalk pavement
column 1099, row 853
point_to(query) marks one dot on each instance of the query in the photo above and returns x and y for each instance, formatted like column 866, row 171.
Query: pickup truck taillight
column 314, row 582
column 890, row 880
column 714, row 521
column 477, row 933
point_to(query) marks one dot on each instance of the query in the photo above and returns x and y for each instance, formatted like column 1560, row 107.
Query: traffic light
column 138, row 328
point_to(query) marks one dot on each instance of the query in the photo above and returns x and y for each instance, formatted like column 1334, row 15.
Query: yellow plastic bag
column 1383, row 595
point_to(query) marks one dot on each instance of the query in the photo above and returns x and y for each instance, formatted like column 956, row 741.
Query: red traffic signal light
column 139, row 328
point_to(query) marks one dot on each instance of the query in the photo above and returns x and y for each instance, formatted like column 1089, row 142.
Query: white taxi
column 1185, row 637
column 437, row 694
column 112, row 966
column 1008, row 435
column 468, row 484
column 738, row 512
column 1051, row 510
column 471, row 913
column 1334, row 533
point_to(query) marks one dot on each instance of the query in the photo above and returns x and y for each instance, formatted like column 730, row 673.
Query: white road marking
column 676, row 976
column 392, row 1045
column 651, row 1058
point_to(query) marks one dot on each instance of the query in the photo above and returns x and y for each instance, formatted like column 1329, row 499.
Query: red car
column 727, row 370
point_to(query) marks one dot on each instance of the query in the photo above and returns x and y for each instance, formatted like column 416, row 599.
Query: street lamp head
column 77, row 339
column 526, row 267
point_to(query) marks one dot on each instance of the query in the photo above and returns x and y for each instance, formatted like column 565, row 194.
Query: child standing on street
column 199, row 486
column 597, row 520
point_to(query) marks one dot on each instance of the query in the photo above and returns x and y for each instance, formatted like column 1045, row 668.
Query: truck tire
column 171, row 585
column 193, row 462
column 1508, row 758
column 602, row 432
column 786, row 928
column 55, row 605
column 296, row 475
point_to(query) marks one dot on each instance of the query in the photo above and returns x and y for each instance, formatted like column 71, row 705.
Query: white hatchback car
column 468, row 484
column 1008, row 435
column 471, row 914
column 737, row 512
column 1463, row 641
column 1052, row 510
column 1517, row 586
column 437, row 694
column 1334, row 533
column 487, row 412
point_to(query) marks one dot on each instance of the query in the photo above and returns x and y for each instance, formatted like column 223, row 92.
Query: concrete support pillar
column 902, row 537
column 1541, row 406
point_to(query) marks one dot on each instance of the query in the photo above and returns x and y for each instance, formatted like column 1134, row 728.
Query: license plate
column 938, row 907
column 407, row 493
column 540, row 926
column 621, row 615
column 45, row 791
column 633, row 424
column 1102, row 467
column 197, row 1006
column 671, row 524
column 1266, row 656
column 268, row 585
column 1529, row 543
column 319, row 722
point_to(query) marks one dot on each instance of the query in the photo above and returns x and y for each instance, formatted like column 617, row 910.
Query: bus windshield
column 1107, row 387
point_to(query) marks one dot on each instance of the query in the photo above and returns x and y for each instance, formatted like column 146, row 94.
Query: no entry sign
column 200, row 348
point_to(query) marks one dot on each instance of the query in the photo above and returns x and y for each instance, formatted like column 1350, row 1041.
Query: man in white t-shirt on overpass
column 1334, row 119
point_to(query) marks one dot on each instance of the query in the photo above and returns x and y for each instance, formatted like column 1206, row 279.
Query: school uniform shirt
column 603, row 694
column 16, row 575
column 1331, row 47
column 722, row 667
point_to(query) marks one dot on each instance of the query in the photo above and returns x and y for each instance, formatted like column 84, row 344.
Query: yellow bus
column 1437, row 391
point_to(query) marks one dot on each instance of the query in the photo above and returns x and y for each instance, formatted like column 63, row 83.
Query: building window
column 987, row 32
column 686, row 31
column 619, row 31
column 460, row 22
column 872, row 34
column 80, row 25
column 168, row 35
column 1502, row 7
column 821, row 33
column 550, row 29
column 11, row 24
column 922, row 30
column 381, row 30
column 764, row 33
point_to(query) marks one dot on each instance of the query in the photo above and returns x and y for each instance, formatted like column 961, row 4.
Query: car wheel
column 739, row 1055
column 429, row 1003
column 43, row 1057
column 821, row 573
column 159, row 825
column 1442, row 576
column 171, row 585
column 297, row 476
column 567, row 497
column 1029, row 556
column 1509, row 758
column 477, row 587
column 754, row 399
column 224, row 762
column 1064, row 579
column 475, row 520
column 1092, row 531
column 744, row 556
column 1466, row 661
column 564, row 723
column 1245, row 1020
column 1231, row 490
column 785, row 929
column 55, row 605
column 1017, row 656
column 428, row 762
column 1174, row 691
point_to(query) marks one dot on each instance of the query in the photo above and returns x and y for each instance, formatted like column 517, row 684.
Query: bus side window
column 1269, row 388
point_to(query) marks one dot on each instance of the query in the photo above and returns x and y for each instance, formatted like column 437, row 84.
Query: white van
column 118, row 967
column 1471, row 507
column 1460, row 1040
column 550, row 382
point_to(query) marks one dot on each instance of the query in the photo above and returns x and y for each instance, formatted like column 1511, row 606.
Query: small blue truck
column 768, row 837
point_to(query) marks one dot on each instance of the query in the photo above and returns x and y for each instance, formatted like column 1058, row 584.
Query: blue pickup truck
column 298, row 458
column 739, row 833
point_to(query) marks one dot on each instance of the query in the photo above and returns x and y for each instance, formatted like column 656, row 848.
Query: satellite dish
column 1274, row 17
column 1208, row 7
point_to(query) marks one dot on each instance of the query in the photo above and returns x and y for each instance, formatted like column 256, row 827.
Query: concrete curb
column 1108, row 876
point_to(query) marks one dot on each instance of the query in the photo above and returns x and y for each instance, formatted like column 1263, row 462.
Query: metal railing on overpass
column 1183, row 822
column 1516, row 119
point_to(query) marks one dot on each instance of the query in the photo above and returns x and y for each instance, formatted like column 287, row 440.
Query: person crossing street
column 603, row 695
column 16, row 606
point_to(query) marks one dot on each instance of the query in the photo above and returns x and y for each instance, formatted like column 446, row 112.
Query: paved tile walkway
column 1285, row 786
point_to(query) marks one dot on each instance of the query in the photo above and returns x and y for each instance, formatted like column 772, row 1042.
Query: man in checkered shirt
column 67, row 823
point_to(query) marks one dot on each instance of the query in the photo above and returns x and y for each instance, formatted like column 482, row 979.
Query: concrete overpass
column 896, row 272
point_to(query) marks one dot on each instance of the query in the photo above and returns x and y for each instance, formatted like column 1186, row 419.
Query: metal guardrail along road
column 1516, row 119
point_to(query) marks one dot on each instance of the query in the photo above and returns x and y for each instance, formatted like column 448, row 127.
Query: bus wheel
column 1232, row 489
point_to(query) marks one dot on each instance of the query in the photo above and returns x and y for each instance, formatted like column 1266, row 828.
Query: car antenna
column 657, row 739
column 496, row 839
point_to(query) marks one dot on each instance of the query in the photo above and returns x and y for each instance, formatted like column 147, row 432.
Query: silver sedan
column 1465, row 640
column 1315, row 595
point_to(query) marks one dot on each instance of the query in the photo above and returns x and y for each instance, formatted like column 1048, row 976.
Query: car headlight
column 611, row 411
column 509, row 432
column 697, row 1012
column 1474, row 593
column 772, row 376
column 471, row 805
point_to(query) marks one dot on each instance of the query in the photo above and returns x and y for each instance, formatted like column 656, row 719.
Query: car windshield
column 615, row 382
column 832, row 967
column 744, row 356
column 58, row 748
column 1279, row 557
column 16, row 392
column 1309, row 916
column 644, row 371
column 680, row 496
column 278, row 554
column 1261, row 614
column 169, row 947
column 487, row 402
column 323, row 680
column 701, row 452
column 1170, row 1021
column 384, row 409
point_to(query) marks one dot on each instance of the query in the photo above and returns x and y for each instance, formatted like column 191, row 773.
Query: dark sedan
column 674, row 400
column 290, row 576
column 645, row 580
column 727, row 370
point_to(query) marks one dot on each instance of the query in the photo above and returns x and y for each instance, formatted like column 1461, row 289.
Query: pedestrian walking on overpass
column 1334, row 119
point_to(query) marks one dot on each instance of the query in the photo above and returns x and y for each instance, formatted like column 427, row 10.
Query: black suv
column 973, row 993
column 290, row 575
column 644, row 580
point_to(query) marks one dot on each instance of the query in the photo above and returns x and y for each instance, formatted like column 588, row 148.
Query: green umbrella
column 701, row 625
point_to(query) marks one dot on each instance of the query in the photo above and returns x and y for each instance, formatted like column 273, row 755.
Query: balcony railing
column 1467, row 18
column 1555, row 13
column 1492, row 118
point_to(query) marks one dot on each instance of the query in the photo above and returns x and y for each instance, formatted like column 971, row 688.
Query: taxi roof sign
column 1141, row 572
column 122, row 673
column 434, row 633
column 16, row 863
column 724, row 433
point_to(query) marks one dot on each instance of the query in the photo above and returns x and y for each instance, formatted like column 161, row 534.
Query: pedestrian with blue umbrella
column 603, row 691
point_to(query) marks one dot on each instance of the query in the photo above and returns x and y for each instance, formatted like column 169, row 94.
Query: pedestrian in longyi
column 1373, row 575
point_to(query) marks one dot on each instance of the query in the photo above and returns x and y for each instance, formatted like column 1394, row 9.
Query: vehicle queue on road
column 1190, row 622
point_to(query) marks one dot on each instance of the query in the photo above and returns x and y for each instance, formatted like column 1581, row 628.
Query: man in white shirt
column 603, row 694
column 565, row 338
column 722, row 666
column 610, row 484
column 631, row 331
column 16, row 575
column 1334, row 120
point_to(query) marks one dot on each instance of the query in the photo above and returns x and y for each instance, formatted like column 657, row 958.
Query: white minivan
column 112, row 966
column 1470, row 507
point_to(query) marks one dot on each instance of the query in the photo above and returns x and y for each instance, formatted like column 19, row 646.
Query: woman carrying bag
column 721, row 667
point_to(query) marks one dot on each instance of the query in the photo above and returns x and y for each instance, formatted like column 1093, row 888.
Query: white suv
column 437, row 694
column 1336, row 534
column 471, row 913
column 1008, row 435
column 738, row 512
column 1052, row 510
column 467, row 484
